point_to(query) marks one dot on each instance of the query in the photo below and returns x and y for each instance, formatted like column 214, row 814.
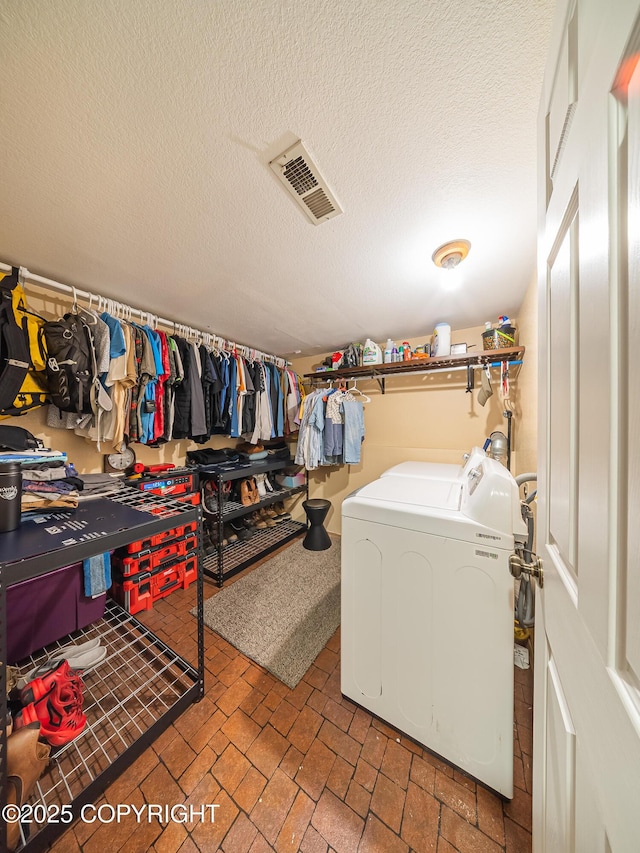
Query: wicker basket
column 502, row 338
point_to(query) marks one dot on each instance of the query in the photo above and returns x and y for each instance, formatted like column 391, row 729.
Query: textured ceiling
column 135, row 139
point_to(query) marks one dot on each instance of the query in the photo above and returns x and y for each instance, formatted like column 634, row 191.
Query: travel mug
column 10, row 496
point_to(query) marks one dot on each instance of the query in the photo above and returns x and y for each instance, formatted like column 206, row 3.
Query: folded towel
column 97, row 574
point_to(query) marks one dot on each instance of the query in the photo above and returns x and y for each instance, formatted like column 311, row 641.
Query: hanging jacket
column 207, row 380
column 198, row 419
column 182, row 401
column 221, row 424
column 249, row 408
column 171, row 383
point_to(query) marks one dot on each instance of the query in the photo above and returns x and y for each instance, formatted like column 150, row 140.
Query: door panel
column 560, row 764
column 560, row 346
column 587, row 679
column 591, row 836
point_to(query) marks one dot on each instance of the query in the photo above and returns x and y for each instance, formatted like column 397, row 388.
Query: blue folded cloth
column 97, row 574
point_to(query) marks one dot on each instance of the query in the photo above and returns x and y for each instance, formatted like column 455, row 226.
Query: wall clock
column 118, row 463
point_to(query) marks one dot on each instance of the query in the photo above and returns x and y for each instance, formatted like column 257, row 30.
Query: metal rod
column 146, row 317
column 508, row 415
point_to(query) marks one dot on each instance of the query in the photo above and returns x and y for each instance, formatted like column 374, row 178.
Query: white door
column 586, row 793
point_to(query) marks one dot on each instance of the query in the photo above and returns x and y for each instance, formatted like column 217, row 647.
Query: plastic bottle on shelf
column 406, row 351
column 388, row 351
column 394, row 354
column 442, row 339
column 372, row 353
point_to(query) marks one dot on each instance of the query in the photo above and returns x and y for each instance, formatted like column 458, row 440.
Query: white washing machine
column 427, row 613
column 437, row 470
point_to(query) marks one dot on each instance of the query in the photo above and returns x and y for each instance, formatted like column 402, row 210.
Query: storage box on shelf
column 223, row 561
column 145, row 571
column 178, row 483
column 139, row 688
column 148, row 570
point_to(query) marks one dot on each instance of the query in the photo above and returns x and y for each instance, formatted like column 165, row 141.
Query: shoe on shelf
column 240, row 531
column 246, row 493
column 27, row 760
column 261, row 486
column 211, row 540
column 256, row 521
column 82, row 657
column 264, row 515
column 60, row 679
column 229, row 534
column 282, row 515
column 59, row 724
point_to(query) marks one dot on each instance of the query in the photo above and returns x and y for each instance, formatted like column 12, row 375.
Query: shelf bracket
column 381, row 380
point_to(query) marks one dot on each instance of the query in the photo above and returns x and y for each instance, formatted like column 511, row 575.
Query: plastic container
column 388, row 351
column 406, row 351
column 372, row 353
column 501, row 338
column 441, row 340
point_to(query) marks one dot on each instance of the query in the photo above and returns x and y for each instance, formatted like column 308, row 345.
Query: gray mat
column 282, row 614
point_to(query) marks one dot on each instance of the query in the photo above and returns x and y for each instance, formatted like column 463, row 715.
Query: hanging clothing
column 353, row 431
column 147, row 401
column 310, row 452
column 176, row 376
column 331, row 430
column 182, row 414
column 163, row 376
column 121, row 389
column 112, row 379
column 198, row 425
column 220, row 398
column 249, row 406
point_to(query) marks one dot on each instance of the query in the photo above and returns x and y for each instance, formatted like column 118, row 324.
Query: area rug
column 281, row 614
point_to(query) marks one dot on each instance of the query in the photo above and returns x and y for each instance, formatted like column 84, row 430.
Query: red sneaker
column 62, row 677
column 56, row 727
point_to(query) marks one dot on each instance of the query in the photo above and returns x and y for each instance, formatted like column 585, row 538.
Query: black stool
column 317, row 538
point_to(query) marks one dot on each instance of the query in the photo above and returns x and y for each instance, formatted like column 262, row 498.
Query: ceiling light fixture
column 449, row 255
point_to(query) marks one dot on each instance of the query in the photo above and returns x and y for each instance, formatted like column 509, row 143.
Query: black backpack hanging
column 71, row 364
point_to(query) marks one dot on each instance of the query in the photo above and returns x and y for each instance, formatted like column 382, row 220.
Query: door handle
column 518, row 567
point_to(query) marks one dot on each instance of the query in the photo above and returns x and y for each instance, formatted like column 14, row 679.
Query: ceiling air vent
column 303, row 180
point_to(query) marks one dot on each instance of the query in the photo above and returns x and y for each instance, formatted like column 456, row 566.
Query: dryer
column 427, row 612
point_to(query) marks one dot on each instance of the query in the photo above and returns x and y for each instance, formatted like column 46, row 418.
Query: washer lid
column 437, row 470
column 417, row 492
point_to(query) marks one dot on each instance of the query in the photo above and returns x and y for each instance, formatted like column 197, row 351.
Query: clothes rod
column 147, row 316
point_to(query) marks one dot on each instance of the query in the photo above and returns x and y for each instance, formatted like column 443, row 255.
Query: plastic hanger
column 355, row 390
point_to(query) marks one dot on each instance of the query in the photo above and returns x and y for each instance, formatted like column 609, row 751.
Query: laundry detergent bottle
column 372, row 354
column 388, row 351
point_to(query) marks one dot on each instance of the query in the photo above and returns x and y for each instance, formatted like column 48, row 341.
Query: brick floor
column 302, row 769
